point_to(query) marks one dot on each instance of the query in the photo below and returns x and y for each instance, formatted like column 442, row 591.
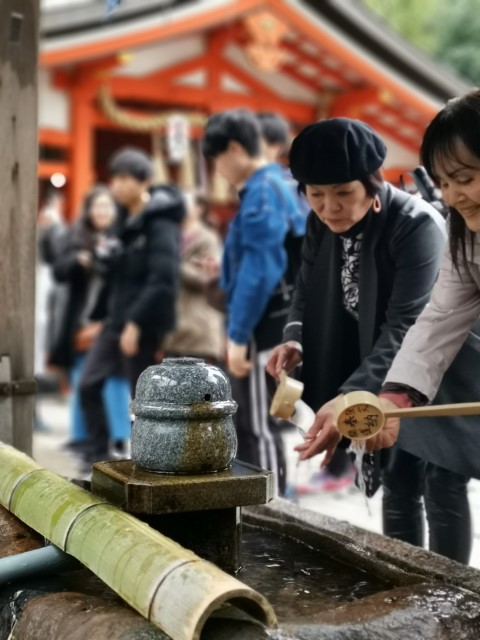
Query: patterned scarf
column 350, row 271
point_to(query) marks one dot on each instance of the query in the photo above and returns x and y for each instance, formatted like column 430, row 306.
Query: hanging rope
column 129, row 120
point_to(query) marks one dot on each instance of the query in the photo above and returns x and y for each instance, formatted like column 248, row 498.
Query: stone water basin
column 324, row 578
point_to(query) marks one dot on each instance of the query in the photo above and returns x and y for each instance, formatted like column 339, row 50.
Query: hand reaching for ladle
column 324, row 435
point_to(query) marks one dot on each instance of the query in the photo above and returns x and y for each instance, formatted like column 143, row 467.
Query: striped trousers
column 259, row 438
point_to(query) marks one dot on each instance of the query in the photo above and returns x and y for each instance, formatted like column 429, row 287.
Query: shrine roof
column 66, row 27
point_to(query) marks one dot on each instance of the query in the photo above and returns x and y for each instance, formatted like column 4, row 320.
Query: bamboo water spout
column 169, row 585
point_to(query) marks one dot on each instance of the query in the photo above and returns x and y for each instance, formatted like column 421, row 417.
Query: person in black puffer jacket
column 143, row 277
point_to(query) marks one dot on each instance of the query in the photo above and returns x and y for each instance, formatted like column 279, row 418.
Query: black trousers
column 105, row 360
column 406, row 480
column 259, row 436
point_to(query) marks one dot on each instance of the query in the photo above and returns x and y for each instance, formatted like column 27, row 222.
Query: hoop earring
column 376, row 205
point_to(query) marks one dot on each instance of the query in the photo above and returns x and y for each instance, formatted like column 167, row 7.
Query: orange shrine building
column 155, row 70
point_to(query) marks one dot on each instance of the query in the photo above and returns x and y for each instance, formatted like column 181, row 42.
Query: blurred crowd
column 136, row 277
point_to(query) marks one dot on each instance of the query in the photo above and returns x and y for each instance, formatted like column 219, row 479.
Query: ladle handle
column 436, row 411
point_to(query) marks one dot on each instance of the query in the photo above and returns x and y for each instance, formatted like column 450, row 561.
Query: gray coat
column 448, row 326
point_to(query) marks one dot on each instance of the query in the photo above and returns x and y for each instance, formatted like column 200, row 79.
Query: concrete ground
column 347, row 504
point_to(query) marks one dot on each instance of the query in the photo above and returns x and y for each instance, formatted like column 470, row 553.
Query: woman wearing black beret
column 370, row 258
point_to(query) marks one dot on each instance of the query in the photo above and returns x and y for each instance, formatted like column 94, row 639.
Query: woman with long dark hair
column 443, row 452
column 81, row 306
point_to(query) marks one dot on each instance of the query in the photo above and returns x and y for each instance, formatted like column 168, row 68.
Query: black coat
column 69, row 296
column 145, row 275
column 400, row 255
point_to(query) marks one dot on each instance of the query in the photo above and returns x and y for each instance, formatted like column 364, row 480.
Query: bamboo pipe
column 361, row 414
column 169, row 585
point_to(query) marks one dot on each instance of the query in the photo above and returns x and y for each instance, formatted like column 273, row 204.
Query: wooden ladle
column 360, row 414
column 288, row 392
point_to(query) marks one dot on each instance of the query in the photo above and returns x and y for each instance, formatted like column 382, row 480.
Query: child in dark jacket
column 144, row 281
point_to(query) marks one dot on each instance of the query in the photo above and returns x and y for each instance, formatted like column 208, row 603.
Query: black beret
column 336, row 150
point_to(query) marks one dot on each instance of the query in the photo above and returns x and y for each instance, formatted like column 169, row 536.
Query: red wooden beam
column 54, row 138
column 309, row 82
column 351, row 103
column 247, row 79
column 179, row 69
column 323, row 71
column 141, row 89
column 47, row 169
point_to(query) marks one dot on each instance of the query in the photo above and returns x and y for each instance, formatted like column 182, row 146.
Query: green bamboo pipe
column 169, row 585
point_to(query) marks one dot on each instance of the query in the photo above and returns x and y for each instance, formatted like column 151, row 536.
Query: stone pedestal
column 200, row 512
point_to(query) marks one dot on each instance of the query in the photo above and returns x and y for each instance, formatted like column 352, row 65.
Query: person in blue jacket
column 261, row 257
column 276, row 142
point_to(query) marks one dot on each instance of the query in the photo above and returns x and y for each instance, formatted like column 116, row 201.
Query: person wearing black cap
column 370, row 259
column 144, row 277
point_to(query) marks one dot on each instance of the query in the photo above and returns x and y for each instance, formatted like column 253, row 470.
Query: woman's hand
column 388, row 435
column 323, row 435
column 286, row 356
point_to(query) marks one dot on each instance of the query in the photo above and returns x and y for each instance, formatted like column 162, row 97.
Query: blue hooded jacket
column 255, row 259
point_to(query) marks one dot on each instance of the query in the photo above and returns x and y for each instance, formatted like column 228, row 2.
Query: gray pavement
column 347, row 504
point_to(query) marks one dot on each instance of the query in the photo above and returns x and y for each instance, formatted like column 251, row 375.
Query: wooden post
column 18, row 189
column 81, row 155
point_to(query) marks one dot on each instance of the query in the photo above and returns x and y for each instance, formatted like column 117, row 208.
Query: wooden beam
column 47, row 169
column 200, row 98
column 180, row 69
column 304, row 81
column 18, row 213
column 54, row 138
column 247, row 79
column 351, row 103
column 324, row 73
column 215, row 48
column 194, row 22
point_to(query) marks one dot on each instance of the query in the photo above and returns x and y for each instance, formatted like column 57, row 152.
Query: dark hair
column 132, row 162
column 458, row 120
column 237, row 125
column 85, row 231
column 373, row 184
column 274, row 128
